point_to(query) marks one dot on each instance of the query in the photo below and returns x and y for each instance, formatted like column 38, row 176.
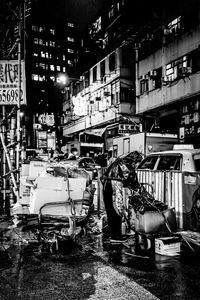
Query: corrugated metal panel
column 167, row 186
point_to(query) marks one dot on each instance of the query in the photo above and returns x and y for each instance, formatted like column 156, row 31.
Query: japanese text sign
column 9, row 82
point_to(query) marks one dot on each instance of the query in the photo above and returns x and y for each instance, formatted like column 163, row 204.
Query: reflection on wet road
column 96, row 269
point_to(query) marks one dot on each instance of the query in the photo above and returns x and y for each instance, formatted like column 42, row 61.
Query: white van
column 182, row 158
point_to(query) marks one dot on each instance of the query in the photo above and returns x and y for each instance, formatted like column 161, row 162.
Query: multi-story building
column 104, row 97
column 50, row 53
column 167, row 74
column 160, row 76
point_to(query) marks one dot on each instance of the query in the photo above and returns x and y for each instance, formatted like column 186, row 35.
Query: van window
column 148, row 163
column 169, row 162
column 197, row 162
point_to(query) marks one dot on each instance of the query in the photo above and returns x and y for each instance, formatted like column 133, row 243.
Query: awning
column 97, row 131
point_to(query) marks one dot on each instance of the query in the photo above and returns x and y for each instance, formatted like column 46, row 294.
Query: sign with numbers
column 9, row 82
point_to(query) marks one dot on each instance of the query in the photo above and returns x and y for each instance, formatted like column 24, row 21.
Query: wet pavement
column 92, row 268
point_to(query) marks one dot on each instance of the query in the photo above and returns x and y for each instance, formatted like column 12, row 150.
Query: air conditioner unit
column 106, row 93
column 98, row 98
column 144, row 77
column 153, row 73
column 184, row 71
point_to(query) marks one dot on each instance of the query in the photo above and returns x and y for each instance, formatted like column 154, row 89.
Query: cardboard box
column 55, row 189
column 36, row 168
column 170, row 246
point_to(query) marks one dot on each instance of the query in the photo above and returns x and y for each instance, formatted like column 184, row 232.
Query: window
column 40, row 42
column 102, row 68
column 115, row 148
column 175, row 25
column 126, row 94
column 155, row 79
column 111, row 12
column 35, row 54
column 70, row 24
column 178, row 68
column 41, row 29
column 70, row 39
column 148, row 163
column 144, row 86
column 35, row 77
column 94, row 72
column 43, row 54
column 126, row 55
column 47, row 55
column 35, row 41
column 52, row 31
column 70, row 50
column 58, row 68
column 52, row 78
column 64, row 69
column 168, row 163
column 52, row 68
column 41, row 78
column 197, row 162
column 87, row 79
column 112, row 62
column 115, row 88
column 52, row 43
column 64, row 57
column 34, row 28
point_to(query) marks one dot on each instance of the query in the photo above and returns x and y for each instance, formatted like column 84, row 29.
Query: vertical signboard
column 42, row 139
column 9, row 82
column 51, row 140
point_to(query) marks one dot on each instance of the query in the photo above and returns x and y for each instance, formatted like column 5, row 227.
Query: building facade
column 50, row 53
column 158, row 86
column 167, row 74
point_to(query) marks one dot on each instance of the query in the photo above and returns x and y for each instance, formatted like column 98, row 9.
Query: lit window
column 52, row 68
column 41, row 29
column 70, row 50
column 52, row 78
column 50, row 55
column 40, row 42
column 35, row 54
column 42, row 54
column 52, row 44
column 70, row 39
column 64, row 57
column 64, row 69
column 42, row 66
column 35, row 77
column 175, row 25
column 58, row 68
column 70, row 62
column 111, row 12
column 34, row 28
column 35, row 41
column 41, row 78
column 178, row 68
column 52, row 31
column 70, row 24
column 144, row 86
column 47, row 55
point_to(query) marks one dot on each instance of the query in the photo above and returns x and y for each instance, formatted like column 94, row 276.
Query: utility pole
column 18, row 147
